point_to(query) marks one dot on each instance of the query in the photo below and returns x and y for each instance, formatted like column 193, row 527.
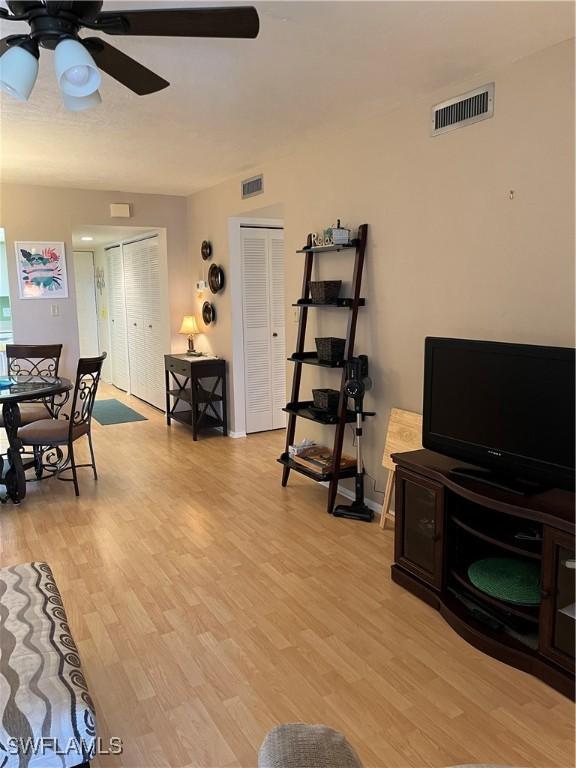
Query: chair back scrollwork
column 33, row 359
column 87, row 379
column 41, row 360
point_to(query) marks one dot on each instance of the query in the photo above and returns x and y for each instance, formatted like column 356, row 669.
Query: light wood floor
column 210, row 604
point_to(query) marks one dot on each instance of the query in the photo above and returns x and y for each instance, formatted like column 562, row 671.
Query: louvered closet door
column 117, row 313
column 264, row 335
column 135, row 307
column 150, row 254
column 144, row 315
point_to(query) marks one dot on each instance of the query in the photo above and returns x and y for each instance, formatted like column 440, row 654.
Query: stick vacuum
column 355, row 388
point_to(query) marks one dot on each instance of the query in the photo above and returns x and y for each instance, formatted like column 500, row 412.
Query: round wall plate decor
column 216, row 278
column 208, row 313
column 206, row 249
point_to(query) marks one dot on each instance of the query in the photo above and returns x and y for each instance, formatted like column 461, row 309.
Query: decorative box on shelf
column 340, row 235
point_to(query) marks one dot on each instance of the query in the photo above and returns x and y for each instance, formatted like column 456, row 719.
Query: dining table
column 15, row 390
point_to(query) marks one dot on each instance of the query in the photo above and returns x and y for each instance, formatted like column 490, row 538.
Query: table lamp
column 190, row 327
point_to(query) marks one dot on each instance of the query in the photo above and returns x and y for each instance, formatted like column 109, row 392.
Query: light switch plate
column 55, row 310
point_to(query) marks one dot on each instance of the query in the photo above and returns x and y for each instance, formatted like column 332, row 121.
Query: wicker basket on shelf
column 330, row 349
column 325, row 291
column 326, row 399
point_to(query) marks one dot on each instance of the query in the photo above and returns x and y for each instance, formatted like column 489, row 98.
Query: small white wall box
column 120, row 210
column 201, row 285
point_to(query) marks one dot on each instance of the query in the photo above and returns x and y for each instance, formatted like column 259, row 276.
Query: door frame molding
column 91, row 252
column 235, row 225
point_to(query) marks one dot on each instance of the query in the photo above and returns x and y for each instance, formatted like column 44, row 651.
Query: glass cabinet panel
column 419, row 515
column 557, row 612
column 565, row 617
column 419, row 525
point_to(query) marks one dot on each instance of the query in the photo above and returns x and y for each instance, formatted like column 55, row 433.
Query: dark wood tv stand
column 444, row 522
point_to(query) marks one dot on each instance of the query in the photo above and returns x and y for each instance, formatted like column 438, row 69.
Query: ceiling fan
column 55, row 24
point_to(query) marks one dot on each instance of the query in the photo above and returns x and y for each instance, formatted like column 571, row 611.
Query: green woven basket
column 510, row 579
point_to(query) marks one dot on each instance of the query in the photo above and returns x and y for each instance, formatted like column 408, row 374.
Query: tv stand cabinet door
column 557, row 611
column 419, row 526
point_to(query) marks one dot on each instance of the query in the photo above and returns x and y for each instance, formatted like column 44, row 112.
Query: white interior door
column 264, row 327
column 144, row 313
column 86, row 303
column 134, row 297
column 118, row 339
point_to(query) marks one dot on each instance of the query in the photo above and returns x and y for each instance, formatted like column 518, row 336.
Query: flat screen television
column 508, row 408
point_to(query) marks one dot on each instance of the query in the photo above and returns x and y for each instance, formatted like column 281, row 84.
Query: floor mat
column 114, row 412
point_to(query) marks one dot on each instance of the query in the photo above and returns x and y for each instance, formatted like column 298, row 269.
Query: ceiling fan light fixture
column 79, row 61
column 80, row 103
column 76, row 71
column 18, row 72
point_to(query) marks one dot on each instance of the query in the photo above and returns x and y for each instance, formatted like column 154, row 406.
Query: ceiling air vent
column 253, row 186
column 463, row 110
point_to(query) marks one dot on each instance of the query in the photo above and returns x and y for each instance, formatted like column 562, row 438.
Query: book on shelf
column 320, row 459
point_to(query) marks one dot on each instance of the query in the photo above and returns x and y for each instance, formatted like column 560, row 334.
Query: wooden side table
column 184, row 383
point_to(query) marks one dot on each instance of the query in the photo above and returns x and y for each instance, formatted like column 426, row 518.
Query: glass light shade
column 76, row 70
column 18, row 72
column 78, row 103
column 189, row 325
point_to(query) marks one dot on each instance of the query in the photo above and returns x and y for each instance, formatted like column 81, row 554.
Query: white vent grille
column 463, row 110
column 253, row 186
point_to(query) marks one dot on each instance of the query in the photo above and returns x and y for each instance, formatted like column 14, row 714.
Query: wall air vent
column 463, row 110
column 253, row 186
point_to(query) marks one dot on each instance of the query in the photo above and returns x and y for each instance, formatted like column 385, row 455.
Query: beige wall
column 44, row 213
column 449, row 252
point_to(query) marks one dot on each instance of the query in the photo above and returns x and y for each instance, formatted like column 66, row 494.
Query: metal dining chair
column 34, row 360
column 52, row 434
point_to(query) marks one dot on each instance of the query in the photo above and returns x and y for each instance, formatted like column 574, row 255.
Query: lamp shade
column 76, row 70
column 18, row 72
column 189, row 325
column 79, row 103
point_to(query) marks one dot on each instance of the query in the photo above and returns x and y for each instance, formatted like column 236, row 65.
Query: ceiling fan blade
column 123, row 68
column 239, row 21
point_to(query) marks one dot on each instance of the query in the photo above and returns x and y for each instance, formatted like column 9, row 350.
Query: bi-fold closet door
column 138, row 306
column 263, row 308
column 142, row 285
column 117, row 313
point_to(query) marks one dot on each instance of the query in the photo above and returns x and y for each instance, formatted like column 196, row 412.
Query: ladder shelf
column 301, row 409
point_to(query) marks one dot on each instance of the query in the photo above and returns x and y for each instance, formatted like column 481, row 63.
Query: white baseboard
column 348, row 494
column 236, row 434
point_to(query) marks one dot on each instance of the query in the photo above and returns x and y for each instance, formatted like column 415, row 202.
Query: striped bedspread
column 46, row 714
